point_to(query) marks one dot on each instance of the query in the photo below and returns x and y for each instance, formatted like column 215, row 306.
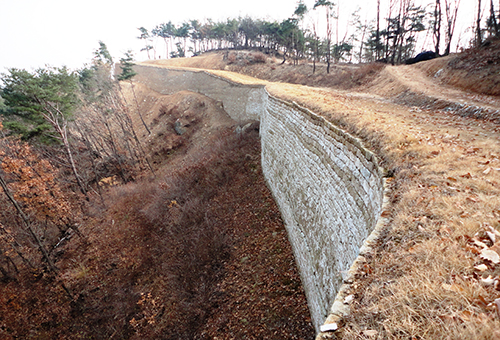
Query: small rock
column 179, row 129
column 329, row 327
column 348, row 299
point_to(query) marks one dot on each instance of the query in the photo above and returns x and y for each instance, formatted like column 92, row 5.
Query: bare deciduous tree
column 451, row 11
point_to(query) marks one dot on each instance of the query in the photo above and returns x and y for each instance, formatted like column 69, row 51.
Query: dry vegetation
column 186, row 237
column 196, row 253
column 434, row 274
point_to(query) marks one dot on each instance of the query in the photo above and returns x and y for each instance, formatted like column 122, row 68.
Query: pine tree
column 127, row 64
column 41, row 104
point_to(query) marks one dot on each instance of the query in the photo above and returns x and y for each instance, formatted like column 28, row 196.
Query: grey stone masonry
column 329, row 188
column 330, row 193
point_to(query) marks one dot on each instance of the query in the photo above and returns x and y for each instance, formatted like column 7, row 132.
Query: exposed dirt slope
column 198, row 118
column 259, row 294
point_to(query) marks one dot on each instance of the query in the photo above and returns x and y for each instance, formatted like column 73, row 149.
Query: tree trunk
column 51, row 117
column 15, row 244
column 437, row 26
column 377, row 34
column 138, row 109
column 493, row 20
column 451, row 18
column 134, row 134
column 166, row 48
column 72, row 163
column 328, row 40
column 92, row 152
column 478, row 25
column 315, row 47
column 284, row 56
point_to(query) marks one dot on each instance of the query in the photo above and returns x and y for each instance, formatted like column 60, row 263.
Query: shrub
column 231, row 58
column 259, row 57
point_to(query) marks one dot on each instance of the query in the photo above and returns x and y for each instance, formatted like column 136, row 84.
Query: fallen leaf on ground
column 488, row 281
column 493, row 230
column 481, row 267
column 479, row 243
column 496, row 247
column 465, row 315
column 453, row 287
column 349, row 298
column 472, row 150
column 481, row 301
column 385, row 213
column 370, row 332
column 497, row 303
column 444, row 230
column 490, row 255
column 491, row 236
column 472, row 249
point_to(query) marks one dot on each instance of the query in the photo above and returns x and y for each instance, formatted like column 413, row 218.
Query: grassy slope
column 428, row 277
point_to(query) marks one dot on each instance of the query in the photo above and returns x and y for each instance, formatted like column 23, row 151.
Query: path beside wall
column 328, row 187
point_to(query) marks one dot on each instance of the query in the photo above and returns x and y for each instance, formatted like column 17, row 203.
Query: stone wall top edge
column 369, row 155
column 319, row 120
column 208, row 73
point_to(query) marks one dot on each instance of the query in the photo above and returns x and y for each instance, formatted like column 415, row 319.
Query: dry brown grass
column 209, row 61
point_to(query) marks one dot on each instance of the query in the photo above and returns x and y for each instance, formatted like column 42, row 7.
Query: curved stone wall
column 328, row 187
column 240, row 102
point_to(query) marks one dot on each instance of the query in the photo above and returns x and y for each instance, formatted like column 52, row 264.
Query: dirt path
column 414, row 80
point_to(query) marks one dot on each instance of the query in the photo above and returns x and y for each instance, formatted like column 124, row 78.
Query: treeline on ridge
column 390, row 37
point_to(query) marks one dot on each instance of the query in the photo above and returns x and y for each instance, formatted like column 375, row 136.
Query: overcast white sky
column 35, row 33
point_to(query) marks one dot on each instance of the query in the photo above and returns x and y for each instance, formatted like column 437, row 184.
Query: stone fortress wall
column 328, row 187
